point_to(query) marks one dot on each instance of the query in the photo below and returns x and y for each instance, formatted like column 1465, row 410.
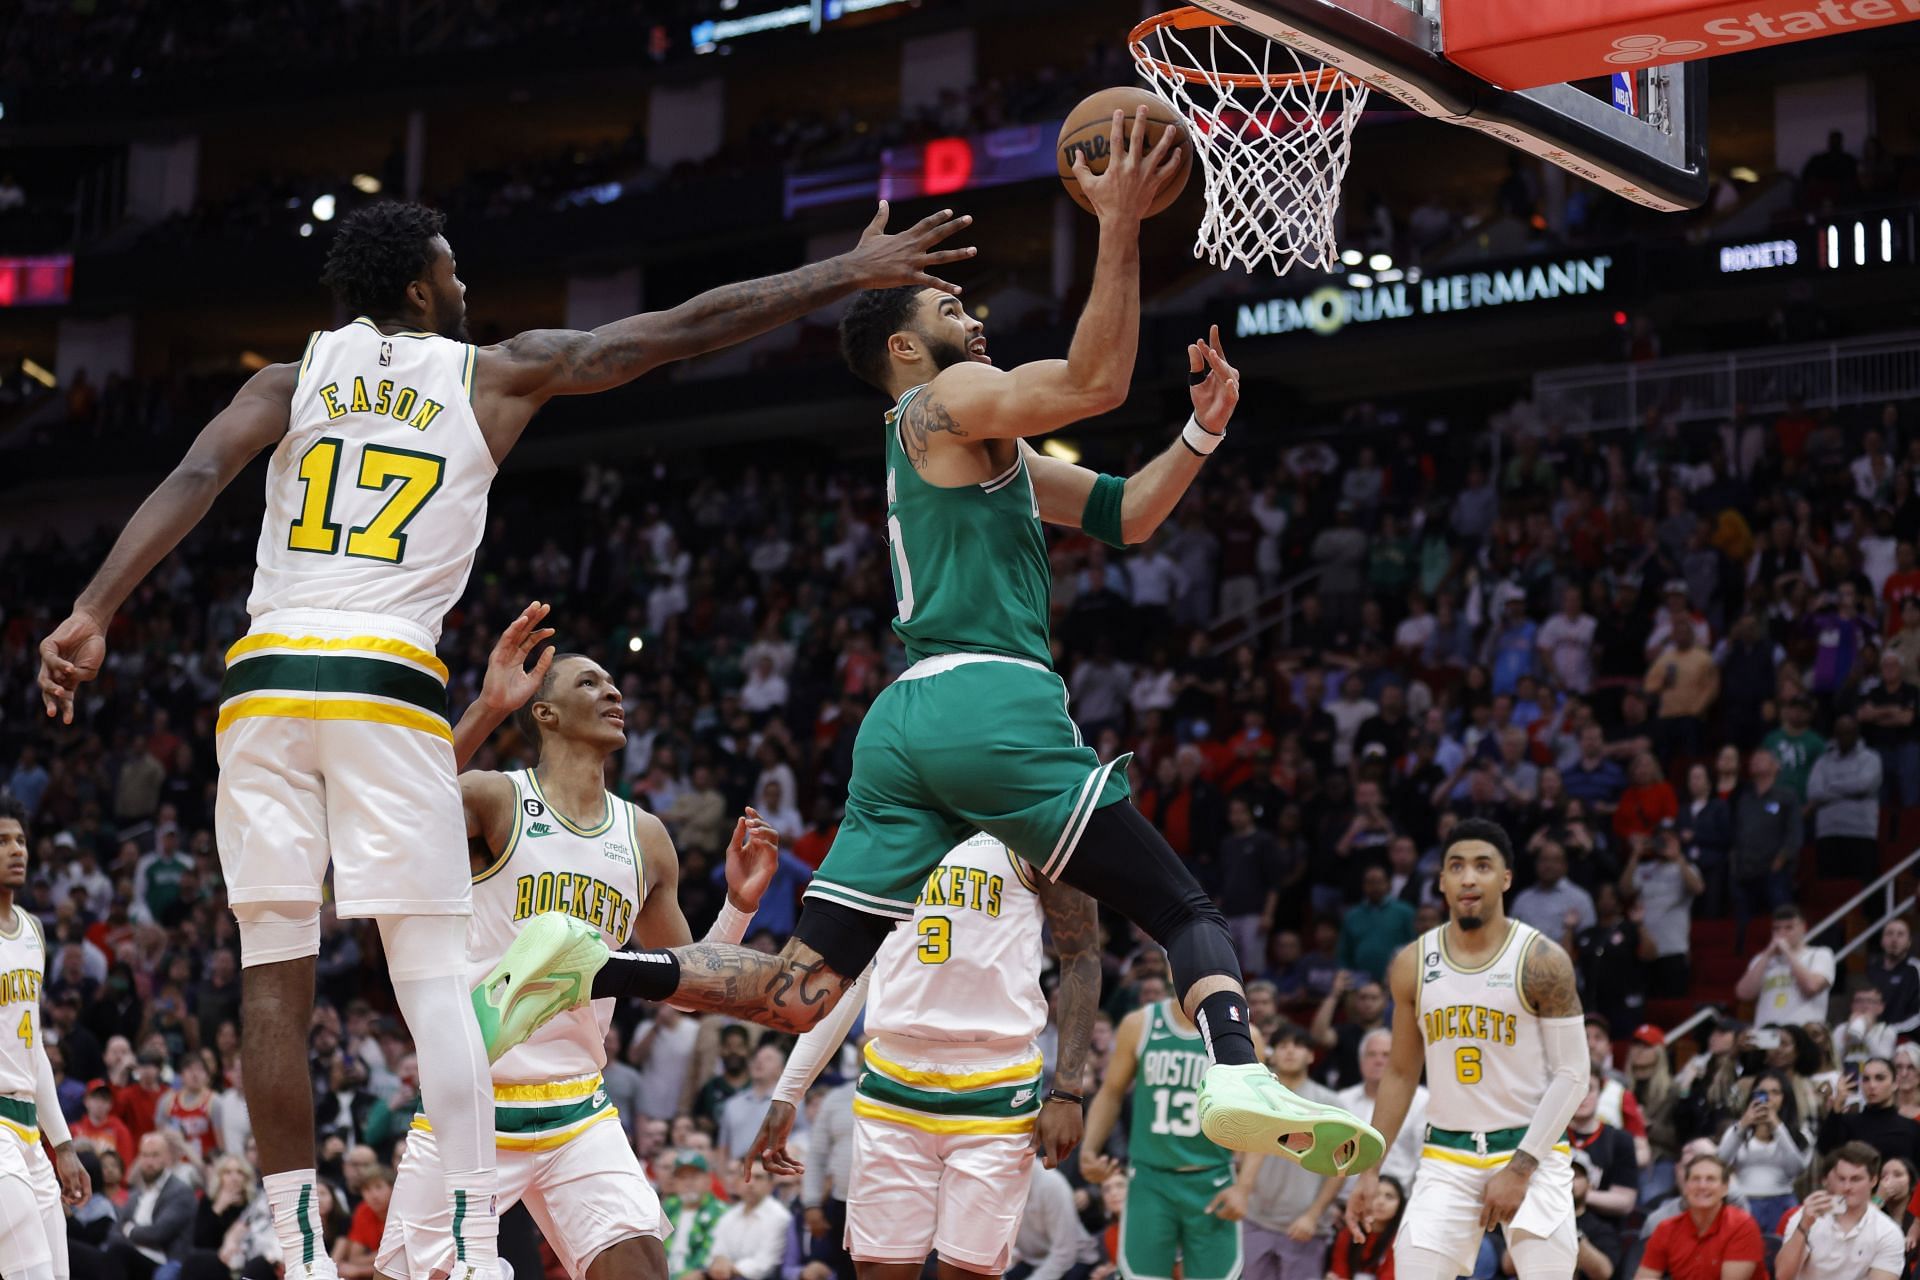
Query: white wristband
column 1198, row 438
column 730, row 925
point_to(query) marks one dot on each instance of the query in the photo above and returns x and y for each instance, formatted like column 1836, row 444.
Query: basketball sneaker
column 548, row 970
column 1243, row 1108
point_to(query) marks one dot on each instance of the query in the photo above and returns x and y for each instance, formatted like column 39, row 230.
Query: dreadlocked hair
column 377, row 252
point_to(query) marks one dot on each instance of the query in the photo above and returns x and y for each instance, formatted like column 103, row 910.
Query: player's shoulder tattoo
column 1547, row 982
column 923, row 418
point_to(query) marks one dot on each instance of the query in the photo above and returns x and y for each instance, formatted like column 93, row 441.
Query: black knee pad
column 846, row 939
column 1124, row 862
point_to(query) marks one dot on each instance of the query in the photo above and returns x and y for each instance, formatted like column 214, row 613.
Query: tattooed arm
column 516, row 377
column 1547, row 988
column 789, row 992
column 1075, row 924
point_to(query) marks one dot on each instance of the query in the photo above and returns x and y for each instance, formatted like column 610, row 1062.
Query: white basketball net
column 1274, row 135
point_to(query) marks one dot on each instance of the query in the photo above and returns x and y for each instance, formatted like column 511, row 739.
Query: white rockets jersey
column 1486, row 1061
column 377, row 497
column 592, row 873
column 967, row 969
column 23, row 964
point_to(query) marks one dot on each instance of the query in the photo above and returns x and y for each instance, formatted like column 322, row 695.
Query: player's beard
column 1469, row 923
column 944, row 354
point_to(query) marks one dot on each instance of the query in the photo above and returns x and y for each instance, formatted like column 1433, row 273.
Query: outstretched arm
column 1151, row 493
column 976, row 400
column 256, row 420
column 507, row 684
column 524, row 372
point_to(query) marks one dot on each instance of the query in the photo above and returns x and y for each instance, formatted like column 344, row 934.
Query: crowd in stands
column 1681, row 667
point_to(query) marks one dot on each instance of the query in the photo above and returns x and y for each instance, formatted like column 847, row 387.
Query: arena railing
column 1759, row 380
column 1892, row 905
column 1274, row 609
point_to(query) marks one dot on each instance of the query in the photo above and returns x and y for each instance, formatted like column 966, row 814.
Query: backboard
column 1642, row 137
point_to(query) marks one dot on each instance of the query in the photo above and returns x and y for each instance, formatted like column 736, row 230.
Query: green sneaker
column 548, row 970
column 1244, row 1108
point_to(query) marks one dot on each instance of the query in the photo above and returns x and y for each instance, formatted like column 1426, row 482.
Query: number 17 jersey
column 377, row 495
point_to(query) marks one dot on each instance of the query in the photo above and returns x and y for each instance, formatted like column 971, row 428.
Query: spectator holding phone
column 1877, row 1123
column 1838, row 1234
column 1768, row 1150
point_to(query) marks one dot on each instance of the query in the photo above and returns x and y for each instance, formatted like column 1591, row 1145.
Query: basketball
column 1089, row 129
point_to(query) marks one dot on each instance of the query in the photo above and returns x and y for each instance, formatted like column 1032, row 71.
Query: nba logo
column 386, row 354
column 1233, row 1014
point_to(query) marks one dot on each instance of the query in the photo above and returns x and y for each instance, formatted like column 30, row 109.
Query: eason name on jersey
column 579, row 895
column 1179, row 1068
column 20, row 986
column 403, row 404
column 1470, row 1022
column 965, row 888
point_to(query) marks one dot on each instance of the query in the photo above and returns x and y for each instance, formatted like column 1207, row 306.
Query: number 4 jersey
column 377, row 497
column 23, row 961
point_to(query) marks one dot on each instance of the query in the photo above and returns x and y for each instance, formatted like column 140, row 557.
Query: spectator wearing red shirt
column 1903, row 582
column 97, row 1123
column 353, row 1254
column 134, row 1103
column 1712, row 1240
column 1647, row 803
column 1374, row 1255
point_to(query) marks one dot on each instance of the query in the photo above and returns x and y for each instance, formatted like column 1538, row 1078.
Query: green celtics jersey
column 970, row 571
column 1163, row 1131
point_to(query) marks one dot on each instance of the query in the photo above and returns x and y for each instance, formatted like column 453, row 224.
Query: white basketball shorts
column 334, row 747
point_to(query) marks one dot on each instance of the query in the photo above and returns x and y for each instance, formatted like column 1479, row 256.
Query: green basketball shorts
column 1166, row 1219
column 962, row 743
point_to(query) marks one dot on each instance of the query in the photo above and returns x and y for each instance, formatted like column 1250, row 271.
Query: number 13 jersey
column 1486, row 1063
column 377, row 496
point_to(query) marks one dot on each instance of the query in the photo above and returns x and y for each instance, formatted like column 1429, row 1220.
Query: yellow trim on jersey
column 941, row 1124
column 530, row 1142
column 467, row 369
column 956, row 1080
column 370, row 644
column 639, row 854
column 19, row 925
column 1520, row 977
column 306, row 358
column 1514, row 930
column 310, row 708
column 31, row 1136
column 1494, row 1160
column 513, row 841
column 559, row 1091
column 1022, row 870
column 606, row 819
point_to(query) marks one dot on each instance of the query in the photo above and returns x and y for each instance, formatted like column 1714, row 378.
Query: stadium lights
column 1380, row 262
column 3, row 111
column 306, row 230
column 1391, row 275
column 1359, row 280
column 635, row 645
column 366, row 184
column 253, row 361
column 323, row 207
column 39, row 373
column 1057, row 448
column 1743, row 173
column 1352, row 257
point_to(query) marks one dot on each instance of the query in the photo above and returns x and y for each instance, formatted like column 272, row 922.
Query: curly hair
column 872, row 318
column 1484, row 831
column 377, row 252
column 12, row 808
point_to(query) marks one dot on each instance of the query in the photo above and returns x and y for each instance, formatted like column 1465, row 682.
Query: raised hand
column 69, row 658
column 508, row 683
column 1215, row 383
column 1134, row 176
column 881, row 261
column 753, row 855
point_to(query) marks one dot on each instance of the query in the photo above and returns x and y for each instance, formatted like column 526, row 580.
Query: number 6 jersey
column 377, row 496
column 1486, row 1064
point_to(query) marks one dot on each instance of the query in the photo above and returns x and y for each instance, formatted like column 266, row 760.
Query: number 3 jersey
column 1486, row 1061
column 377, row 496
